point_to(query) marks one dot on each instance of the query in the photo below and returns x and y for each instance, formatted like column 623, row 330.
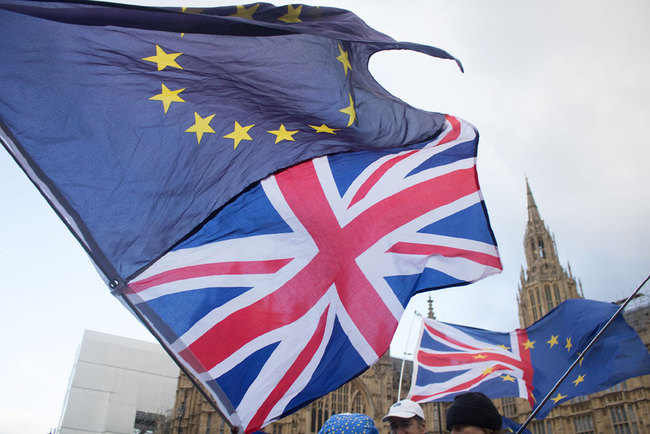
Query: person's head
column 473, row 413
column 349, row 423
column 406, row 417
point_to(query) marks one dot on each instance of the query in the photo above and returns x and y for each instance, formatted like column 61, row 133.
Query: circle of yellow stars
column 201, row 125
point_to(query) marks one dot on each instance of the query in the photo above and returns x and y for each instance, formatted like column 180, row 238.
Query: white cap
column 404, row 409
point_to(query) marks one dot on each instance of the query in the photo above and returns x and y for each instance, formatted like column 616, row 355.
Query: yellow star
column 163, row 59
column 579, row 380
column 568, row 344
column 488, row 370
column 529, row 345
column 324, row 129
column 558, row 397
column 168, row 96
column 240, row 133
column 503, row 346
column 243, row 12
column 201, row 126
column 283, row 134
column 349, row 110
column 343, row 58
column 508, row 378
column 552, row 341
column 292, row 15
column 196, row 11
column 480, row 356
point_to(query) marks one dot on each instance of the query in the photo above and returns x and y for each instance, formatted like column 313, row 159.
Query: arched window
column 532, row 246
column 556, row 290
column 533, row 305
column 549, row 299
column 540, row 245
column 345, row 399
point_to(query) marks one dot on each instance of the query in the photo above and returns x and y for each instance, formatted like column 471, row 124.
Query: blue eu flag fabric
column 139, row 123
column 510, row 425
column 527, row 363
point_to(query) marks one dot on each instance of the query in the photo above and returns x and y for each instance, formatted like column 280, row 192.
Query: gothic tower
column 545, row 283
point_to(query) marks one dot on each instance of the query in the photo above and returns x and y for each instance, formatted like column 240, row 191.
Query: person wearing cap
column 473, row 413
column 406, row 417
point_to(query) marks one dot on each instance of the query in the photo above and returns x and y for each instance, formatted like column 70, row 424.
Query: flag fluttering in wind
column 452, row 359
column 510, row 425
column 243, row 184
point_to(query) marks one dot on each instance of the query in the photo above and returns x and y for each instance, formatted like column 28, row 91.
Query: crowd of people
column 470, row 413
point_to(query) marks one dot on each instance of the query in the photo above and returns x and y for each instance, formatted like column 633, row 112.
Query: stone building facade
column 372, row 393
column 545, row 283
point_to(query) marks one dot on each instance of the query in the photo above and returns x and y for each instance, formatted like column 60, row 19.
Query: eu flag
column 145, row 121
column 527, row 363
column 243, row 184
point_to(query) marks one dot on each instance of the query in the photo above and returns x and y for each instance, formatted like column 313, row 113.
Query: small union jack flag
column 298, row 285
column 453, row 359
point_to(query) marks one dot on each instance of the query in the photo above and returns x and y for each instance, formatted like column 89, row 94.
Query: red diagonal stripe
column 297, row 368
column 455, row 130
column 376, row 176
column 449, row 252
column 461, row 387
column 215, row 269
column 458, row 388
column 447, row 359
column 444, row 337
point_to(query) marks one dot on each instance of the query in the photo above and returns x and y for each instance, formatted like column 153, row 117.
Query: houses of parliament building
column 545, row 283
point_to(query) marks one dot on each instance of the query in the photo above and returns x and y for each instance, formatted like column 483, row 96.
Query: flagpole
column 582, row 354
column 408, row 338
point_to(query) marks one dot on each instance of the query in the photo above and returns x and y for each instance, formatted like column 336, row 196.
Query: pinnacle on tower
column 533, row 214
column 430, row 315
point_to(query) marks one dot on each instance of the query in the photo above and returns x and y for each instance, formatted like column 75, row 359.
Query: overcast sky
column 559, row 92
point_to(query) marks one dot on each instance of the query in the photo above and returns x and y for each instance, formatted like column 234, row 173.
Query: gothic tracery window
column 345, row 399
column 549, row 298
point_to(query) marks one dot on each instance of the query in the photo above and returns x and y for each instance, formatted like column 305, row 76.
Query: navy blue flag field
column 510, row 425
column 527, row 363
column 243, row 184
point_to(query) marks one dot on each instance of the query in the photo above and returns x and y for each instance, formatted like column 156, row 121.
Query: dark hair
column 485, row 430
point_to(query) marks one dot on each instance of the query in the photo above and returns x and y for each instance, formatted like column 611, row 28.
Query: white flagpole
column 401, row 374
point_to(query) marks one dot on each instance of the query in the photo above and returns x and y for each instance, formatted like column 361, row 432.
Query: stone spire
column 544, row 283
column 533, row 213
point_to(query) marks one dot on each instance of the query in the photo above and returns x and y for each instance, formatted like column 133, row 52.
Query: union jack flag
column 297, row 286
column 452, row 359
